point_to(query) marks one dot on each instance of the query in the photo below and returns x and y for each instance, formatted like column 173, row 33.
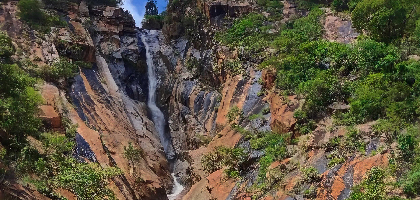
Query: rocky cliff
column 207, row 101
column 106, row 102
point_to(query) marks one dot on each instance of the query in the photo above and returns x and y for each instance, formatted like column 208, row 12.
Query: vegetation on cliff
column 376, row 76
column 30, row 152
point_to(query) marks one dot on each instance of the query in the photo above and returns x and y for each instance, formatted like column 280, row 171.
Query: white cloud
column 138, row 17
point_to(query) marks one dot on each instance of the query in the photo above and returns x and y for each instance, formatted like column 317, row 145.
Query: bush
column 411, row 182
column 310, row 174
column 302, row 30
column 407, row 144
column 385, row 20
column 56, row 168
column 31, row 12
column 19, row 103
column 232, row 158
column 6, row 47
column 62, row 69
column 152, row 22
column 132, row 154
column 373, row 187
column 234, row 114
column 274, row 146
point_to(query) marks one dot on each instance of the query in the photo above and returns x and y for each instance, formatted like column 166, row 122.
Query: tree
column 30, row 11
column 18, row 99
column 385, row 20
column 151, row 8
column 132, row 154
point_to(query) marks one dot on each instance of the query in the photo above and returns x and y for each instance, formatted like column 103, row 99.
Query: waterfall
column 151, row 43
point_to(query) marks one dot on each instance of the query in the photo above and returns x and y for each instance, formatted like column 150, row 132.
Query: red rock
column 49, row 115
column 219, row 185
column 282, row 119
column 269, row 78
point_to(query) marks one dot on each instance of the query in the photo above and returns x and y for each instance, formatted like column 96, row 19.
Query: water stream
column 151, row 43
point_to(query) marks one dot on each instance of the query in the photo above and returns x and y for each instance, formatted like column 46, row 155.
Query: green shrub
column 234, row 67
column 353, row 140
column 59, row 70
column 31, row 12
column 335, row 160
column 310, row 174
column 6, row 46
column 303, row 30
column 232, row 158
column 274, row 146
column 407, row 144
column 385, row 20
column 233, row 114
column 18, row 103
column 152, row 22
column 55, row 168
column 411, row 182
column 373, row 187
column 132, row 154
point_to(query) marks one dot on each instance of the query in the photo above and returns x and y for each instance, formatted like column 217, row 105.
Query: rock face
column 195, row 94
column 106, row 102
column 226, row 8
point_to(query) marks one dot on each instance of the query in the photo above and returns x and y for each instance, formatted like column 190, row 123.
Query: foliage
column 151, row 8
column 31, row 12
column 271, row 6
column 153, row 22
column 55, row 168
column 301, row 30
column 231, row 158
column 104, row 2
column 407, row 143
column 234, row 66
column 411, row 182
column 385, row 20
column 62, row 69
column 132, row 154
column 248, row 32
column 233, row 114
column 372, row 188
column 319, row 93
column 18, row 104
column 6, row 47
column 274, row 146
column 353, row 140
column 310, row 174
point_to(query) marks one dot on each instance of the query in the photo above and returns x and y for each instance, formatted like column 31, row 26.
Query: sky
column 136, row 8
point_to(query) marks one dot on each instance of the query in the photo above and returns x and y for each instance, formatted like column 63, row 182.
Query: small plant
column 132, row 154
column 371, row 188
column 266, row 111
column 234, row 114
column 2, row 153
column 235, row 67
column 31, row 12
column 274, row 146
column 192, row 63
column 310, row 193
column 335, row 160
column 58, row 70
column 261, row 93
column 6, row 47
column 254, row 116
column 232, row 158
column 310, row 174
column 407, row 144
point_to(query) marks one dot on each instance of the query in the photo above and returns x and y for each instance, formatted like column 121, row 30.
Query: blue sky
column 136, row 8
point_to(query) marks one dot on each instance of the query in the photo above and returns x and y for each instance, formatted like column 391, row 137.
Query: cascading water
column 150, row 40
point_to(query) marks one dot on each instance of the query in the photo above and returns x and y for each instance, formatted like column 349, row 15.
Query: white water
column 151, row 41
